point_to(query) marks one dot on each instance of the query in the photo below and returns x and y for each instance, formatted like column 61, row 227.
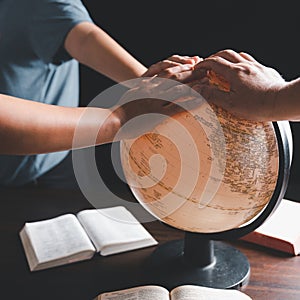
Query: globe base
column 218, row 265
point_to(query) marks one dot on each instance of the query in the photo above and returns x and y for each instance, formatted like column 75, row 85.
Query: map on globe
column 203, row 170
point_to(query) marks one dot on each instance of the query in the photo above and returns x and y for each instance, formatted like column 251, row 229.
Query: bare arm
column 256, row 92
column 29, row 127
column 93, row 47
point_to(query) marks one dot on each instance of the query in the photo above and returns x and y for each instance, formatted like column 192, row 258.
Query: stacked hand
column 254, row 87
column 255, row 92
column 159, row 93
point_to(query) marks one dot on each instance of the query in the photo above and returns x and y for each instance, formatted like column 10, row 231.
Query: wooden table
column 274, row 275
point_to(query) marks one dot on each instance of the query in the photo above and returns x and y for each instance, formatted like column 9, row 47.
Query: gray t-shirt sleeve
column 50, row 23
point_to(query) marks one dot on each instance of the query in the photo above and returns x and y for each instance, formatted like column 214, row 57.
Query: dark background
column 154, row 30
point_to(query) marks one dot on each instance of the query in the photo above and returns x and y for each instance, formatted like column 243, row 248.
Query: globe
column 215, row 177
column 203, row 170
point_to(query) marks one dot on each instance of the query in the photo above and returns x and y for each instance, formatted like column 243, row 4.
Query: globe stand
column 199, row 261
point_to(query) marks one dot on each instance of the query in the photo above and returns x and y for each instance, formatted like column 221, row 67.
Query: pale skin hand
column 256, row 92
column 157, row 95
column 29, row 127
column 165, row 68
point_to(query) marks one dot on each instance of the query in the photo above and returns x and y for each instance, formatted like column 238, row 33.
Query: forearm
column 287, row 105
column 28, row 127
column 91, row 46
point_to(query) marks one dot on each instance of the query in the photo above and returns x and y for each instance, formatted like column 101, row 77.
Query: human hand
column 152, row 100
column 253, row 86
column 167, row 67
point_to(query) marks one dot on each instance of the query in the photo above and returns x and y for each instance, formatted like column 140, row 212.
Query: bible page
column 114, row 230
column 194, row 292
column 57, row 241
column 150, row 292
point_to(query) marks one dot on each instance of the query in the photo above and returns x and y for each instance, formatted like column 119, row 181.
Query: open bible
column 69, row 238
column 184, row 292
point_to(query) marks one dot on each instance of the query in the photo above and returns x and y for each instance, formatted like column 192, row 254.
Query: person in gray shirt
column 42, row 43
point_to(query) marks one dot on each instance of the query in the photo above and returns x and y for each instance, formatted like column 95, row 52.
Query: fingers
column 226, row 65
column 158, row 67
column 178, row 73
column 248, row 57
column 157, row 88
column 229, row 55
column 234, row 57
column 220, row 65
column 172, row 61
column 172, row 72
column 185, row 59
